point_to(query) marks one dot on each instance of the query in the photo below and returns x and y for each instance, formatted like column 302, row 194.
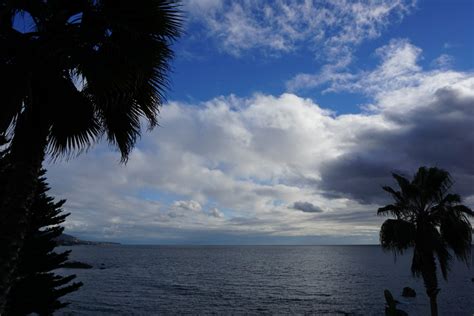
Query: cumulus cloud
column 437, row 134
column 214, row 212
column 188, row 205
column 306, row 207
column 333, row 27
column 437, row 105
column 231, row 166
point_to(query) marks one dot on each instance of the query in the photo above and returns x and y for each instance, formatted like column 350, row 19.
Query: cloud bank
column 230, row 168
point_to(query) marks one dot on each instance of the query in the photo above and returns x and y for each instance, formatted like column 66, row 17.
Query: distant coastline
column 69, row 240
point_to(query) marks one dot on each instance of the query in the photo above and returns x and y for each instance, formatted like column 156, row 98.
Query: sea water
column 310, row 280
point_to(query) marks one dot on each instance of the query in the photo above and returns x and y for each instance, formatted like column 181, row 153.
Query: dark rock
column 76, row 265
column 391, row 305
column 408, row 292
column 472, row 279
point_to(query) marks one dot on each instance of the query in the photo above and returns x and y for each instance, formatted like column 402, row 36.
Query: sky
column 283, row 120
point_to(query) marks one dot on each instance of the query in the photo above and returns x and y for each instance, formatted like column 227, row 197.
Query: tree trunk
column 431, row 281
column 434, row 305
column 20, row 176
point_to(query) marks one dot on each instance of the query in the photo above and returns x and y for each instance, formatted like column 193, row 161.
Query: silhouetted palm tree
column 84, row 68
column 430, row 219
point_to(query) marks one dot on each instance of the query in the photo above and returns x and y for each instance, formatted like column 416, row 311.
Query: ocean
column 309, row 280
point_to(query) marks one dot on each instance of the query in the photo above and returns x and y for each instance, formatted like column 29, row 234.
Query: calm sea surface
column 319, row 280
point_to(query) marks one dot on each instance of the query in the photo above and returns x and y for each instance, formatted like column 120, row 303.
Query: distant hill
column 69, row 240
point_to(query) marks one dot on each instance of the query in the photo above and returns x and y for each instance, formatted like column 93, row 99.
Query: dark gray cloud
column 361, row 217
column 440, row 134
column 306, row 207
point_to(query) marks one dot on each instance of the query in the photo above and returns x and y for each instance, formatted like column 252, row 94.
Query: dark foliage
column 92, row 67
column 80, row 70
column 432, row 220
column 37, row 289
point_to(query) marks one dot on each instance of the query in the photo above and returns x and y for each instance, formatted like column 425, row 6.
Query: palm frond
column 71, row 115
column 390, row 209
column 121, row 123
column 403, row 182
column 122, row 50
column 435, row 182
column 451, row 199
column 456, row 230
column 160, row 18
column 439, row 247
column 397, row 195
column 417, row 262
column 126, row 72
column 397, row 235
column 14, row 77
column 463, row 209
column 12, row 102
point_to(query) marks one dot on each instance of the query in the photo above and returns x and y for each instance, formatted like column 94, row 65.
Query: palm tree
column 430, row 219
column 84, row 68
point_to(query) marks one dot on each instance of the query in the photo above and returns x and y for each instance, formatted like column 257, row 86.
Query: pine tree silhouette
column 36, row 288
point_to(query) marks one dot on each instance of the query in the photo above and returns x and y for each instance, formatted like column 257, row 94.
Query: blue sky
column 284, row 118
column 202, row 70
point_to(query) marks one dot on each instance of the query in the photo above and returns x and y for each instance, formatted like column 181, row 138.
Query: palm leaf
column 397, row 235
column 417, row 262
column 436, row 183
column 120, row 48
column 451, row 199
column 74, row 125
column 389, row 209
column 403, row 183
column 462, row 209
column 126, row 72
column 439, row 246
column 456, row 230
column 121, row 121
column 396, row 195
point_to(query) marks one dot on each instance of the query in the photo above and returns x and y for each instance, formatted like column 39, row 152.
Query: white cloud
column 329, row 28
column 193, row 206
column 202, row 7
column 398, row 71
column 335, row 74
column 443, row 61
column 216, row 213
column 232, row 165
column 399, row 67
